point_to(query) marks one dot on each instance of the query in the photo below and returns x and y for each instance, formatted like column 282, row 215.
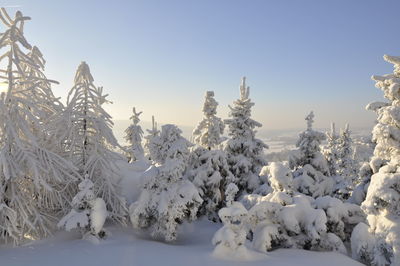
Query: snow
column 124, row 248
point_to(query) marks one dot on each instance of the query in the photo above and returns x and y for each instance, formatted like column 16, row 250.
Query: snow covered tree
column 88, row 214
column 209, row 172
column 151, row 146
column 378, row 243
column 90, row 142
column 167, row 197
column 230, row 240
column 331, row 150
column 208, row 132
column 134, row 134
column 208, row 168
column 346, row 167
column 31, row 177
column 309, row 165
column 286, row 218
column 244, row 150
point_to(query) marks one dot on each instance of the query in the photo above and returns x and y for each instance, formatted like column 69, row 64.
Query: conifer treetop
column 310, row 120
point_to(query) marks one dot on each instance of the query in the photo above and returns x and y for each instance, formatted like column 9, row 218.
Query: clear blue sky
column 161, row 56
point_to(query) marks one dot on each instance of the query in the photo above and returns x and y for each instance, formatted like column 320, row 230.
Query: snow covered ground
column 124, row 248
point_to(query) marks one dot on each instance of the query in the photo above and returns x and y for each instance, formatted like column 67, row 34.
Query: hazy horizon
column 161, row 56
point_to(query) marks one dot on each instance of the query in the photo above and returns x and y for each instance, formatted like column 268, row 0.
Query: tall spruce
column 90, row 142
column 244, row 150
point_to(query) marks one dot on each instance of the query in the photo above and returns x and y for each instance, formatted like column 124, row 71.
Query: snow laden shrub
column 134, row 134
column 331, row 151
column 90, row 142
column 209, row 172
column 88, row 214
column 286, row 218
column 378, row 243
column 151, row 146
column 208, row 132
column 347, row 167
column 309, row 165
column 167, row 198
column 32, row 176
column 245, row 152
column 362, row 183
column 229, row 241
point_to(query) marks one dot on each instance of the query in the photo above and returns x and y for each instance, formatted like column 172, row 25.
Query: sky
column 161, row 56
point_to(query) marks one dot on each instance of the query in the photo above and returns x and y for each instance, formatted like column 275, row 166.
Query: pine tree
column 379, row 242
column 167, row 198
column 244, row 150
column 150, row 145
column 347, row 166
column 208, row 132
column 134, row 134
column 331, row 150
column 31, row 177
column 90, row 142
column 309, row 165
column 209, row 169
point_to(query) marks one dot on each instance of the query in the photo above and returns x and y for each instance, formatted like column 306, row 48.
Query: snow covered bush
column 286, row 218
column 32, row 176
column 209, row 172
column 134, row 134
column 208, row 132
column 245, row 152
column 90, row 143
column 309, row 165
column 88, row 214
column 379, row 242
column 167, row 197
column 230, row 240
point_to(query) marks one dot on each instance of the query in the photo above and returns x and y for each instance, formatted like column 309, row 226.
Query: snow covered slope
column 124, row 248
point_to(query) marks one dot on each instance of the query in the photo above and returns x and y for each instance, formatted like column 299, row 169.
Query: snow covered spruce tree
column 167, row 197
column 331, row 150
column 209, row 169
column 31, row 177
column 378, row 243
column 89, row 141
column 134, row 134
column 244, row 150
column 151, row 146
column 346, row 166
column 88, row 214
column 208, row 132
column 309, row 165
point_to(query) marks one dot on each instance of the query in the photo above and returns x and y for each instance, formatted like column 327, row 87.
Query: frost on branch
column 32, row 176
column 378, row 243
column 167, row 199
column 245, row 152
